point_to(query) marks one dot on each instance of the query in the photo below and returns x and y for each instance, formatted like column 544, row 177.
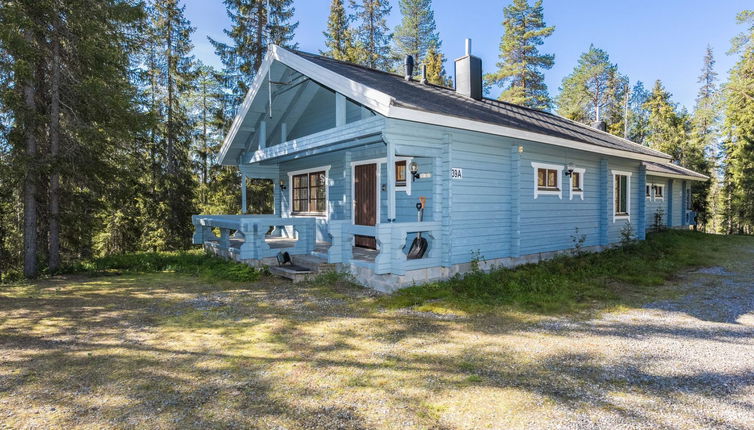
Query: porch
column 257, row 240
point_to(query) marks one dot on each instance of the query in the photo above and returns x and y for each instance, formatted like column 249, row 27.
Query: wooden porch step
column 289, row 273
column 305, row 266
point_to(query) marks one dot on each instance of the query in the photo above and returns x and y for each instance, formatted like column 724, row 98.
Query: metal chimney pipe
column 409, row 63
column 468, row 46
column 424, row 74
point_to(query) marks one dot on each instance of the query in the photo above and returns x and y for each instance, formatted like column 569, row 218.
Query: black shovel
column 419, row 245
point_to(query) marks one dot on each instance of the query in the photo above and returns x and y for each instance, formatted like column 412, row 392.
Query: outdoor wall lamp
column 282, row 185
column 414, row 169
column 569, row 169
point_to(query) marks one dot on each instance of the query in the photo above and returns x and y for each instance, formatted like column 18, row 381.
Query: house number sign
column 456, row 173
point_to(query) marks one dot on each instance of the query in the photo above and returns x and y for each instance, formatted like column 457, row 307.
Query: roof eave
column 399, row 112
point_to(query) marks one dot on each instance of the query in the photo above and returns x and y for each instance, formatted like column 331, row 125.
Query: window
column 659, row 191
column 621, row 194
column 400, row 173
column 309, row 193
column 577, row 183
column 547, row 179
column 649, row 191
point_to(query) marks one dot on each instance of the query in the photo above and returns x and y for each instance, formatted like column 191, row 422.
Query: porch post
column 340, row 110
column 391, row 180
column 243, row 193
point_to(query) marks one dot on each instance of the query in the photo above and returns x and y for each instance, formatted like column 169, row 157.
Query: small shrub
column 627, row 235
column 578, row 242
column 659, row 223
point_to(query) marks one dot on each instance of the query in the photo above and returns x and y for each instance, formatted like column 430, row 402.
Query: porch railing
column 393, row 241
column 252, row 230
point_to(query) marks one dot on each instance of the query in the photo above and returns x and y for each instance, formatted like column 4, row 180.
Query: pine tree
column 638, row 116
column 520, row 67
column 738, row 132
column 594, row 91
column 250, row 33
column 417, row 32
column 372, row 33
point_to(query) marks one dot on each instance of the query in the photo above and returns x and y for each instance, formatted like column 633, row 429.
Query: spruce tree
column 520, row 67
column 638, row 116
column 339, row 38
column 250, row 33
column 372, row 33
column 702, row 153
column 172, row 32
column 738, row 130
column 417, row 32
column 434, row 61
column 594, row 91
column 668, row 127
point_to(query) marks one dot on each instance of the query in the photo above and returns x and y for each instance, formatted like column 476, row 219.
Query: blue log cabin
column 351, row 151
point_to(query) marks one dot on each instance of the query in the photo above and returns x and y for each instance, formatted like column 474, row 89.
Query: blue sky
column 649, row 40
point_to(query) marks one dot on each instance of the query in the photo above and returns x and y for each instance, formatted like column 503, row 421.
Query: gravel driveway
column 683, row 363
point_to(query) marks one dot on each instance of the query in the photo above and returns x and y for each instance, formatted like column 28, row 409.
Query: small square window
column 547, row 179
column 400, row 173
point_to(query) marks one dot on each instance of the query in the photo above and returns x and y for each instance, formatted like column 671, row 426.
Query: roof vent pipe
column 600, row 125
column 469, row 74
column 424, row 74
column 409, row 63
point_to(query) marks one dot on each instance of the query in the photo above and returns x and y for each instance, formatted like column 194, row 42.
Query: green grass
column 195, row 263
column 572, row 283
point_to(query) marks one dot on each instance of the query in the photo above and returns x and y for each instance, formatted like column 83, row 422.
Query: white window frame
column 328, row 209
column 627, row 216
column 651, row 192
column 654, row 194
column 581, row 172
column 537, row 191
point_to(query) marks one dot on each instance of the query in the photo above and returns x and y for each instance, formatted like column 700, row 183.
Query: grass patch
column 194, row 263
column 572, row 283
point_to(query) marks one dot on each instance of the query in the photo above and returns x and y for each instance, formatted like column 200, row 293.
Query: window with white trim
column 659, row 192
column 577, row 183
column 309, row 191
column 649, row 191
column 621, row 195
column 547, row 180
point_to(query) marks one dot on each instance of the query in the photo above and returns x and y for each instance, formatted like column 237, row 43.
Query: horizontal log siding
column 653, row 205
column 548, row 223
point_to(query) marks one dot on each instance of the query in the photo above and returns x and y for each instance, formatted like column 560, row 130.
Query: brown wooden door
column 365, row 202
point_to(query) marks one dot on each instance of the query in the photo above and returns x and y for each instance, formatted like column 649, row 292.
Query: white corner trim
column 537, row 191
column 626, row 217
column 581, row 171
column 293, row 173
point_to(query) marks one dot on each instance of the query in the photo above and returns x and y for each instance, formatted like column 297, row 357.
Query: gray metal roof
column 445, row 101
column 673, row 169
